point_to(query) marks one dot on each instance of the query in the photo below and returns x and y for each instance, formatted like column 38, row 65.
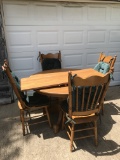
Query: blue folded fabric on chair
column 17, row 83
column 102, row 67
column 16, row 79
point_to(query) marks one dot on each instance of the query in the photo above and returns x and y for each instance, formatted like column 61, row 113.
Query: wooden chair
column 35, row 104
column 83, row 105
column 50, row 60
column 108, row 59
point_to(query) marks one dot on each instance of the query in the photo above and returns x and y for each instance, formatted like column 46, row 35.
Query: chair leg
column 12, row 96
column 20, row 116
column 48, row 117
column 95, row 131
column 28, row 113
column 22, row 120
column 44, row 111
column 71, row 138
column 102, row 109
column 63, row 120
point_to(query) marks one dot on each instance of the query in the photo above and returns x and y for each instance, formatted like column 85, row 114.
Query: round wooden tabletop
column 60, row 91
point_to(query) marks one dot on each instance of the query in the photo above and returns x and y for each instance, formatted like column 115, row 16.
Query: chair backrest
column 86, row 95
column 50, row 60
column 108, row 59
column 19, row 94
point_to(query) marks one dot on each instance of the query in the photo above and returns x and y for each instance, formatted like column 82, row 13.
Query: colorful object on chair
column 102, row 67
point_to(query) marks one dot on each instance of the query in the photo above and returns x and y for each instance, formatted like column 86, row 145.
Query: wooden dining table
column 54, row 83
column 54, row 78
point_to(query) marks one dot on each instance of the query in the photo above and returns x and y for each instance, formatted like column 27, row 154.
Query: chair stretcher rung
column 37, row 123
column 84, row 137
column 84, row 129
column 39, row 116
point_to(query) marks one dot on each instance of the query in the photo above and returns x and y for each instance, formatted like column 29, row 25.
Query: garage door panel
column 46, row 12
column 72, row 13
column 23, row 73
column 21, row 54
column 72, row 59
column 90, row 61
column 19, row 11
column 16, row 13
column 47, row 37
column 115, row 52
column 23, row 63
column 73, row 37
column 118, row 56
column 96, row 37
column 97, row 12
column 116, row 76
column 117, row 67
column 114, row 36
column 20, row 39
column 48, row 48
column 115, row 13
column 117, row 63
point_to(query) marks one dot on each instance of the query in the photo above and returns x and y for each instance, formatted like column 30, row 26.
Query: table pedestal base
column 57, row 117
column 56, row 127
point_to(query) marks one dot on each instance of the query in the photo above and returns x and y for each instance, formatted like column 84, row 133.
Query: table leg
column 56, row 126
column 55, row 104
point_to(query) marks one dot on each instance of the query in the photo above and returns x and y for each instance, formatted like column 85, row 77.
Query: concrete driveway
column 43, row 144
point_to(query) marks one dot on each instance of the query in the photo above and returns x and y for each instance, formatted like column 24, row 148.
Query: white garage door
column 81, row 31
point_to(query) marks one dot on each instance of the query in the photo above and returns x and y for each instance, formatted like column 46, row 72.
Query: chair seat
column 79, row 119
column 85, row 119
